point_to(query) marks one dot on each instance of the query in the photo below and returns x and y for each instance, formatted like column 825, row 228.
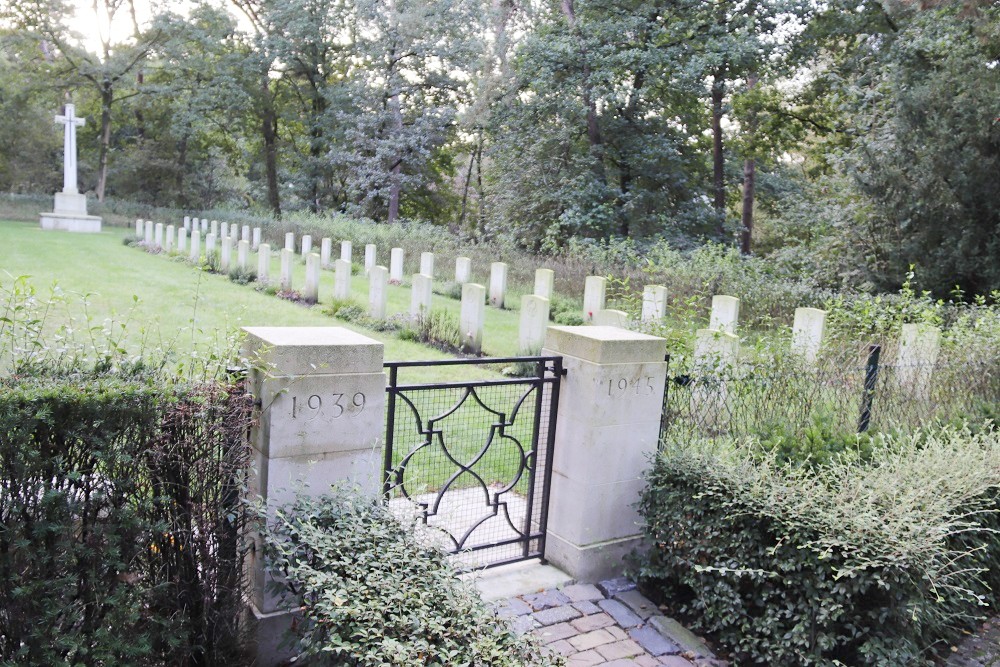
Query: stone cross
column 71, row 122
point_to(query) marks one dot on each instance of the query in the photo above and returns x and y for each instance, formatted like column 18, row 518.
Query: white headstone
column 654, row 303
column 611, row 318
column 463, row 270
column 158, row 235
column 204, row 226
column 594, row 294
column 195, row 255
column 139, row 227
column 255, row 240
column 182, row 241
column 427, row 264
column 807, row 333
column 378, row 287
column 234, row 231
column 187, row 222
column 170, row 241
column 215, row 228
column 226, row 254
column 307, row 246
column 310, row 292
column 287, row 257
column 243, row 255
column 544, row 280
column 498, row 284
column 420, row 295
column 325, row 250
column 369, row 257
column 725, row 313
column 147, row 235
column 346, row 251
column 396, row 265
column 210, row 244
column 472, row 317
column 264, row 264
column 290, row 241
column 919, row 346
column 534, row 322
column 342, row 279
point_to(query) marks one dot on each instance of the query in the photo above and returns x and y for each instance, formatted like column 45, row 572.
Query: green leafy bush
column 120, row 519
column 851, row 563
column 371, row 593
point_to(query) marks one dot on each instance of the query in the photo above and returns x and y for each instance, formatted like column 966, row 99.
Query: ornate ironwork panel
column 468, row 459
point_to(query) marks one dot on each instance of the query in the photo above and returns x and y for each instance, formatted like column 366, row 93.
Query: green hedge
column 119, row 520
column 856, row 563
column 372, row 593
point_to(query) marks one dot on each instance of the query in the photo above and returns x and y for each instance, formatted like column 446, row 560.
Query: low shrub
column 851, row 563
column 370, row 593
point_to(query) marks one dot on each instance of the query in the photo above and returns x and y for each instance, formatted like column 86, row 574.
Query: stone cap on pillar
column 605, row 345
column 296, row 351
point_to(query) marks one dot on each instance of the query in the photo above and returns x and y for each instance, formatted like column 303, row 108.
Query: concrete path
column 608, row 624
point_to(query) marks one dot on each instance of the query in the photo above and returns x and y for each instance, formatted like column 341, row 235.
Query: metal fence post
column 871, row 377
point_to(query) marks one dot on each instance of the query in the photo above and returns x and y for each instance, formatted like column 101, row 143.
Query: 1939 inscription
column 332, row 405
column 641, row 386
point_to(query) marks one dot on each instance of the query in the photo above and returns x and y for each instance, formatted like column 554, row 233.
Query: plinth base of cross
column 70, row 214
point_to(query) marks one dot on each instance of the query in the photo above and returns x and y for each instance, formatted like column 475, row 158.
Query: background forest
column 843, row 141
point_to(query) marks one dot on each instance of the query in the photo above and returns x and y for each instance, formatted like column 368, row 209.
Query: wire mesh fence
column 849, row 389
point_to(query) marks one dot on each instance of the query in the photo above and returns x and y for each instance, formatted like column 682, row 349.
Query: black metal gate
column 469, row 458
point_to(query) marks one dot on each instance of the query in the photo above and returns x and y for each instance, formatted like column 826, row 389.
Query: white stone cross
column 69, row 148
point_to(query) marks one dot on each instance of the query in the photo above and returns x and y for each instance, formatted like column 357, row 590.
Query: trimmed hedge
column 371, row 593
column 120, row 517
column 855, row 563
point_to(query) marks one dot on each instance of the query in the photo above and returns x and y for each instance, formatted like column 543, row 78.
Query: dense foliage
column 372, row 593
column 876, row 563
column 120, row 518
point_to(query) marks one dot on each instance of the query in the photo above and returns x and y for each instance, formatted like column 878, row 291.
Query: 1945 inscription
column 641, row 386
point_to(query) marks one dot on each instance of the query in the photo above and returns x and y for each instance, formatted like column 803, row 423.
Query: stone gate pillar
column 607, row 432
column 320, row 418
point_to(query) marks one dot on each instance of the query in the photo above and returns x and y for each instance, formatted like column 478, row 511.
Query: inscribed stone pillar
column 287, row 256
column 370, row 251
column 396, row 265
column 594, row 291
column 158, row 235
column 264, row 264
column 463, row 270
column 310, row 293
column 420, row 295
column 725, row 313
column 427, row 264
column 255, row 239
column 321, row 392
column 342, row 279
column 498, row 284
column 307, row 245
column 182, row 241
column 544, row 280
column 195, row 255
column 807, row 333
column 378, row 287
column 654, row 303
column 534, row 322
column 346, row 251
column 290, row 241
column 611, row 318
column 919, row 345
column 171, row 239
column 325, row 250
column 226, row 254
column 243, row 255
column 472, row 317
column 608, row 430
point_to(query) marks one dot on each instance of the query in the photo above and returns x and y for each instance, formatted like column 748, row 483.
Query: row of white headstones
column 714, row 346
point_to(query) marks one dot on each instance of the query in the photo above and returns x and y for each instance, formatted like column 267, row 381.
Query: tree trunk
column 593, row 129
column 718, row 157
column 394, row 184
column 107, row 98
column 746, row 231
column 269, row 133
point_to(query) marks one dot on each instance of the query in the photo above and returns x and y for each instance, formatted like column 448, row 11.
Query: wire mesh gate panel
column 469, row 459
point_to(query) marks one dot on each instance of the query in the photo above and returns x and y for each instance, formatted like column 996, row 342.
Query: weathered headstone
column 725, row 313
column 69, row 212
column 310, row 293
column 463, row 270
column 420, row 295
column 609, row 429
column 396, row 265
column 427, row 264
column 346, row 251
column 611, row 318
column 342, row 279
column 325, row 250
column 264, row 264
column 919, row 346
column 370, row 251
column 594, row 292
column 243, row 255
column 498, row 284
column 472, row 317
column 378, row 287
column 654, row 303
column 534, row 322
column 544, row 281
column 807, row 333
column 287, row 256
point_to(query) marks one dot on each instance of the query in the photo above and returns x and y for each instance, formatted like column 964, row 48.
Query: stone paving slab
column 610, row 624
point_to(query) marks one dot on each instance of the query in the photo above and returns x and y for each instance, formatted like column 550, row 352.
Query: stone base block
column 591, row 563
column 265, row 634
column 71, row 222
column 71, row 203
